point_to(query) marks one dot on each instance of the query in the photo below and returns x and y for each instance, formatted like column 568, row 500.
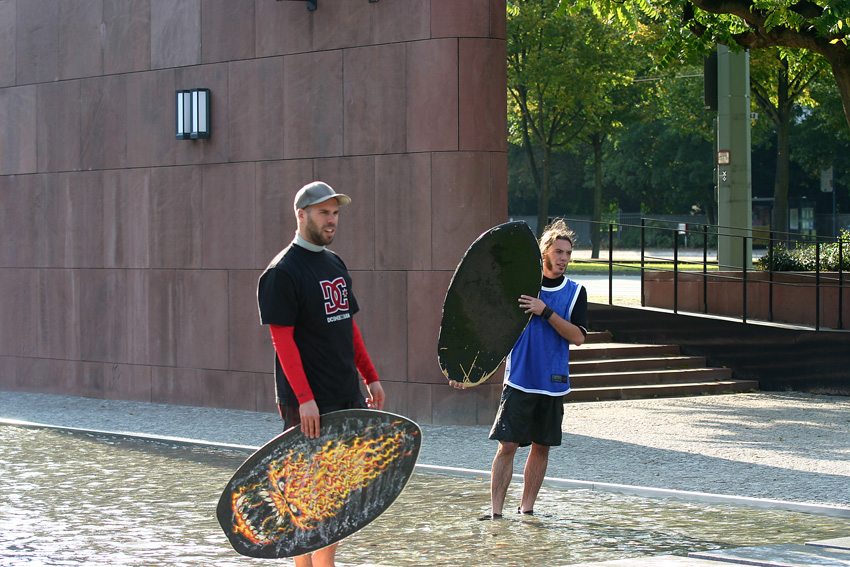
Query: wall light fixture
column 192, row 114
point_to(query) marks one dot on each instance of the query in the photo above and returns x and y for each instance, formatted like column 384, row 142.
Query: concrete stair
column 601, row 369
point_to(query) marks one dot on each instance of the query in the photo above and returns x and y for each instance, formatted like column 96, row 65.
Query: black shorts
column 525, row 418
column 292, row 417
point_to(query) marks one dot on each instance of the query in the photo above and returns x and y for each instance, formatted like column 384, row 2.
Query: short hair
column 557, row 229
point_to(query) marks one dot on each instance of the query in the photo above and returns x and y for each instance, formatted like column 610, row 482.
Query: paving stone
column 789, row 555
column 838, row 543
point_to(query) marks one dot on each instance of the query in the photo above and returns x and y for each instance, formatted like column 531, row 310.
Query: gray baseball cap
column 318, row 192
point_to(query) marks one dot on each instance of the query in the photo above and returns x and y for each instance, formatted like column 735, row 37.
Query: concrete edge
column 480, row 475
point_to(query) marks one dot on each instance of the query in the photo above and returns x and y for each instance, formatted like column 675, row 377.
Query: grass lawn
column 627, row 268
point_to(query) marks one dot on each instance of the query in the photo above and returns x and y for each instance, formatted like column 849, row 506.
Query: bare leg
column 535, row 470
column 304, row 560
column 325, row 557
column 500, row 475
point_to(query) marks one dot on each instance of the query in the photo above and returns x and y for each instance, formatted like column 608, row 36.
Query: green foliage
column 558, row 69
column 820, row 140
column 817, row 26
column 795, row 70
column 657, row 157
column 804, row 258
column 567, row 194
column 829, row 18
column 566, row 77
column 658, row 169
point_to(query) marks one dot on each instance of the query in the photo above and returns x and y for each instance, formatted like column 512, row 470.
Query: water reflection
column 74, row 499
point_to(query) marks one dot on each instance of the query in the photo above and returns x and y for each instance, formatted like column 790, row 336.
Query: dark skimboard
column 296, row 495
column 481, row 315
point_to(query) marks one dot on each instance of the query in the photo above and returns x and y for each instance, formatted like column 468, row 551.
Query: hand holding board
column 296, row 495
column 481, row 316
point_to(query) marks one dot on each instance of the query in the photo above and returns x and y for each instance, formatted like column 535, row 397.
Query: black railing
column 745, row 238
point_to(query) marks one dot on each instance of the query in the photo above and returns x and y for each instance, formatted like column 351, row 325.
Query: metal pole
column 675, row 271
column 734, row 149
column 770, row 276
column 744, row 277
column 840, row 285
column 610, row 263
column 642, row 263
column 817, row 285
column 705, row 268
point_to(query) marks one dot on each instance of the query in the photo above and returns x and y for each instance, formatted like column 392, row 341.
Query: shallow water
column 78, row 499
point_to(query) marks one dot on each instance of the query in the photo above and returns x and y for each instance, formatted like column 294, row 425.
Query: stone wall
column 794, row 296
column 129, row 259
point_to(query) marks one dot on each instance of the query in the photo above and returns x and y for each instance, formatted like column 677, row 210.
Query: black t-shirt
column 311, row 291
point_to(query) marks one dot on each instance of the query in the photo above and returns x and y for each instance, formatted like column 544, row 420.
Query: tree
column 817, row 26
column 558, row 68
column 819, row 142
column 780, row 80
column 624, row 104
column 660, row 160
column 657, row 169
column 568, row 197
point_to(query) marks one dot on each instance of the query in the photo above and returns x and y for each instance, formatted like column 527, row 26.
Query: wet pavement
column 781, row 451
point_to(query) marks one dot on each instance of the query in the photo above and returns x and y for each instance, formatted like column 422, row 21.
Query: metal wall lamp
column 313, row 4
column 192, row 114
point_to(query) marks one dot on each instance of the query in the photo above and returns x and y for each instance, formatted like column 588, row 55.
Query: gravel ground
column 780, row 446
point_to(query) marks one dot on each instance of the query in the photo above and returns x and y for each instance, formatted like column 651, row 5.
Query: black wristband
column 547, row 312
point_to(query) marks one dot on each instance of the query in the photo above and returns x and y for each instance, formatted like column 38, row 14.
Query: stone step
column 644, row 391
column 598, row 337
column 636, row 363
column 597, row 351
column 786, row 555
column 649, row 377
column 602, row 369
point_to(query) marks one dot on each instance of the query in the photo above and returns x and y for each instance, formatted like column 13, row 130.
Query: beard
column 317, row 235
column 550, row 266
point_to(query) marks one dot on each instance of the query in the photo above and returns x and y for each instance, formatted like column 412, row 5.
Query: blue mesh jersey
column 539, row 362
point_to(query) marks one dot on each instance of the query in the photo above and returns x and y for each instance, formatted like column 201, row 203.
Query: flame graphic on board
column 301, row 491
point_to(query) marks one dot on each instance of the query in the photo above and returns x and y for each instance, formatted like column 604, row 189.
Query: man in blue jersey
column 537, row 373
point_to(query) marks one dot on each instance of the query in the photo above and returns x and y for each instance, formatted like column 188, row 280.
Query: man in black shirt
column 306, row 298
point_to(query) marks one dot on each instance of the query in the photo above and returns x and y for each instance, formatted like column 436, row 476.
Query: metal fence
column 660, row 241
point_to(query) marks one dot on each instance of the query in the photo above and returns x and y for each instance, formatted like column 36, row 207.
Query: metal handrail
column 819, row 279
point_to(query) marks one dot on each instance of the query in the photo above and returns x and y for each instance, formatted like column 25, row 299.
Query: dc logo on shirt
column 336, row 295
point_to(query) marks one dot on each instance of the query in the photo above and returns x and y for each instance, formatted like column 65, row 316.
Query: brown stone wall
column 794, row 298
column 129, row 259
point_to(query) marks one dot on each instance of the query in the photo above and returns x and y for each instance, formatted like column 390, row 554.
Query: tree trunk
column 780, row 186
column 543, row 195
column 596, row 141
column 839, row 60
column 783, row 155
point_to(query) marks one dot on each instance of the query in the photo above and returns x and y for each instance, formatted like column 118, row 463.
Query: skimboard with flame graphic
column 296, row 495
column 481, row 315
